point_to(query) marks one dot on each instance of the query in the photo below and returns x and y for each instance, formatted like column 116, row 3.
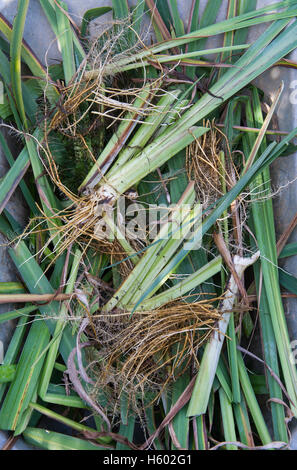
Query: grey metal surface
column 40, row 37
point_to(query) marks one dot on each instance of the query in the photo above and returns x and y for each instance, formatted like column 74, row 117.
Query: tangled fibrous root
column 139, row 356
column 209, row 166
column 100, row 85
column 83, row 223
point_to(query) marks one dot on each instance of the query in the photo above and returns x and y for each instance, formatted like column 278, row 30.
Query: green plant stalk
column 176, row 111
column 270, row 357
column 263, row 212
column 147, row 260
column 228, row 420
column 201, row 433
column 269, row 341
column 67, row 421
column 177, row 21
column 159, row 23
column 151, row 427
column 45, row 192
column 232, row 356
column 224, row 379
column 55, row 396
column 31, row 60
column 120, row 9
column 163, row 59
column 181, row 288
column 208, row 18
column 180, row 422
column 193, row 46
column 154, row 156
column 118, row 139
column 224, row 190
column 212, row 351
column 12, row 288
column 37, row 283
column 27, row 376
column 13, row 177
column 24, row 97
column 16, row 227
column 49, row 9
column 250, row 65
column 7, row 316
column 288, row 282
column 49, row 202
column 7, row 373
column 65, row 41
column 242, row 8
column 243, row 423
column 229, row 36
column 259, row 139
column 24, row 188
column 26, row 418
column 60, row 367
column 211, row 404
column 252, row 403
column 145, row 131
column 138, row 13
column 165, row 254
column 289, row 250
column 90, row 15
column 13, row 348
column 124, row 408
column 56, row 441
column 15, row 57
column 128, row 432
column 69, row 401
column 60, row 324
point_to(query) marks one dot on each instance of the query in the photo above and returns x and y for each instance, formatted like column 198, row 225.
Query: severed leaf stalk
column 211, row 355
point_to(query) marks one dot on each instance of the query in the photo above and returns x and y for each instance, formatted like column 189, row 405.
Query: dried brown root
column 140, row 356
column 107, row 93
column 204, row 164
